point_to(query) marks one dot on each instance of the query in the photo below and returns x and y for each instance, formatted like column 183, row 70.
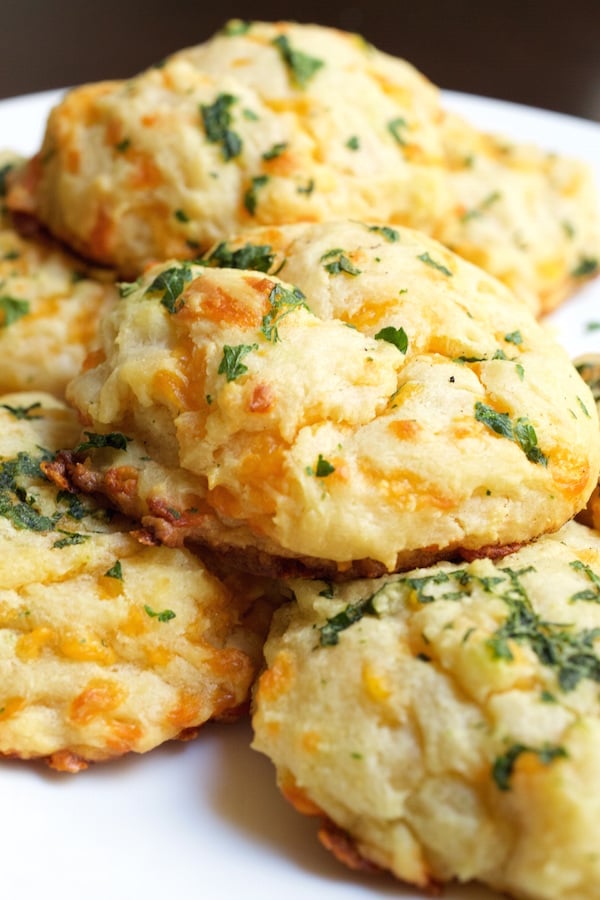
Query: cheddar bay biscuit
column 50, row 305
column 389, row 406
column 269, row 123
column 528, row 216
column 445, row 724
column 281, row 123
column 107, row 645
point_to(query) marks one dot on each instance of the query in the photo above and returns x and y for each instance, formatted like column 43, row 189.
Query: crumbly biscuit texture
column 444, row 724
column 281, row 122
column 107, row 645
column 393, row 385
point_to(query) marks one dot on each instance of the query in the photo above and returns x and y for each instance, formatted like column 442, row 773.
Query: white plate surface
column 204, row 819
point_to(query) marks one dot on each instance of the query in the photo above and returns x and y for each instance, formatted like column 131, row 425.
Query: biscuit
column 269, row 123
column 107, row 645
column 528, row 216
column 392, row 407
column 445, row 724
column 50, row 305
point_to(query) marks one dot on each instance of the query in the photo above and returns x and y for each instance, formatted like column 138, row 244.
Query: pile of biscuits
column 281, row 427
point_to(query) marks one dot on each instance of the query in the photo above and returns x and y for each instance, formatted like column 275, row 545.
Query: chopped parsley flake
column 307, row 188
column 181, row 215
column 515, row 337
column 115, row 571
column 429, row 261
column 584, row 408
column 570, row 653
column 482, row 207
column 70, row 539
column 75, row 508
column 588, row 265
column 113, row 439
column 503, row 767
column 390, row 234
column 12, row 310
column 521, row 432
column 395, row 336
column 165, row 615
column 250, row 197
column 590, row 594
column 339, row 263
column 258, row 257
column 395, row 128
column 171, row 283
column 353, row 143
column 231, row 364
column 23, row 412
column 123, row 146
column 323, row 467
column 217, row 120
column 354, row 612
column 301, row 66
column 283, row 301
column 275, row 151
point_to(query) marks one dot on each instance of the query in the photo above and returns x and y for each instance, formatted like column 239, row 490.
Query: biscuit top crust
column 393, row 398
column 278, row 122
column 447, row 718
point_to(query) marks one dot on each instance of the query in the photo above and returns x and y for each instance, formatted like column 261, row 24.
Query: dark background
column 543, row 54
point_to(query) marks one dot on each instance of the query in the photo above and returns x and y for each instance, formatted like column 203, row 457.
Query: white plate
column 204, row 819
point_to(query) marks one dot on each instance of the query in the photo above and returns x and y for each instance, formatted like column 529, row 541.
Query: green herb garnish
column 503, row 767
column 395, row 127
column 323, row 467
column 301, row 66
column 395, row 336
column 231, row 364
column 339, row 263
column 429, row 261
column 250, row 197
column 113, row 439
column 12, row 310
column 283, row 301
column 171, row 283
column 258, row 257
column 275, row 151
column 588, row 265
column 521, row 431
column 164, row 615
column 217, row 120
column 115, row 571
column 23, row 412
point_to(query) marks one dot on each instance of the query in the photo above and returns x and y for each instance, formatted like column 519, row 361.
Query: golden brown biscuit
column 50, row 305
column 255, row 127
column 396, row 406
column 269, row 123
column 445, row 724
column 528, row 216
column 107, row 645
